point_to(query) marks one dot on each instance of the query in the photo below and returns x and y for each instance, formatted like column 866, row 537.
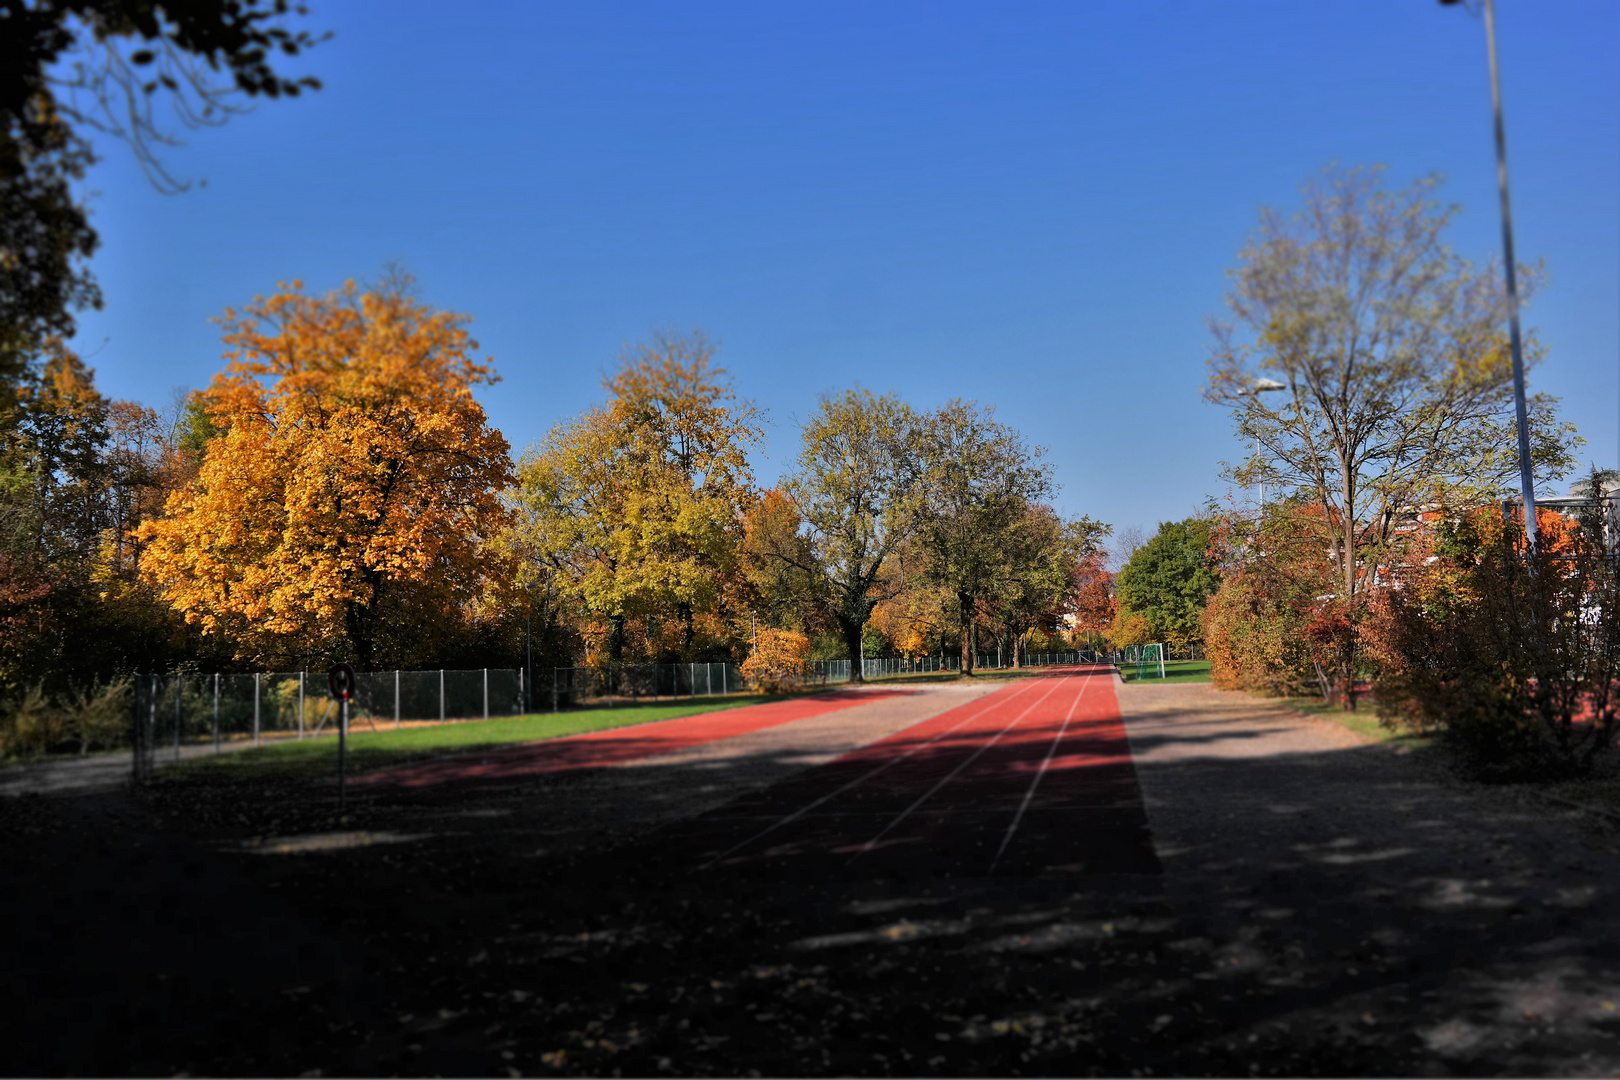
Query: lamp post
column 1262, row 386
column 528, row 651
column 1521, row 413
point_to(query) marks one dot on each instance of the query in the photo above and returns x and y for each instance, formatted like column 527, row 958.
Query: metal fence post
column 216, row 712
column 553, row 689
column 441, row 695
column 396, row 697
column 301, row 704
column 256, row 708
column 486, row 693
column 179, row 688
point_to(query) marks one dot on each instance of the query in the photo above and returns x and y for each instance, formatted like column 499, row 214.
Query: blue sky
column 1031, row 205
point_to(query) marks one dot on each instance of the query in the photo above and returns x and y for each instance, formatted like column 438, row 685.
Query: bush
column 83, row 719
column 1255, row 641
column 1266, row 630
column 777, row 664
column 29, row 726
column 1513, row 659
column 99, row 718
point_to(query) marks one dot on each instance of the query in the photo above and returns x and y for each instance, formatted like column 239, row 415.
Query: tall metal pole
column 1526, row 480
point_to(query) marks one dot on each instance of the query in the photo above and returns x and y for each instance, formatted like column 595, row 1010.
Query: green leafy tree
column 981, row 481
column 855, row 495
column 1038, row 587
column 52, row 512
column 638, row 507
column 1392, row 369
column 1169, row 579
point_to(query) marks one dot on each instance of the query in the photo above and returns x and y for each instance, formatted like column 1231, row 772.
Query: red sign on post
column 340, row 680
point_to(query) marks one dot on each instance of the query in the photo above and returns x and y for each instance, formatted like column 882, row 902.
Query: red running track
column 1035, row 779
column 603, row 749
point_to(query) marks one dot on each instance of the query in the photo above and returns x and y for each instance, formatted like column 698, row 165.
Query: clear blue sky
column 1032, row 205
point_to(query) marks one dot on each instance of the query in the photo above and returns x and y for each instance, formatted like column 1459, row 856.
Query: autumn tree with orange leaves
column 1094, row 601
column 345, row 498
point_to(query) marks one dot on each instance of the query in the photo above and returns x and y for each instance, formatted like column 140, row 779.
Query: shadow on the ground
column 1324, row 914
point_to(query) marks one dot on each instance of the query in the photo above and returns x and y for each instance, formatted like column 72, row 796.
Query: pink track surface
column 603, row 749
column 1035, row 779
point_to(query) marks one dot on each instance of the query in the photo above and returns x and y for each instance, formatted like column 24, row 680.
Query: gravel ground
column 1439, row 927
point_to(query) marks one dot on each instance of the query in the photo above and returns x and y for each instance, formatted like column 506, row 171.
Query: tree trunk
column 854, row 640
column 964, row 603
column 1347, row 664
column 359, row 624
column 616, row 638
column 688, row 632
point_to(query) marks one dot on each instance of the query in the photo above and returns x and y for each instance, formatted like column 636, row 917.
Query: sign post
column 340, row 680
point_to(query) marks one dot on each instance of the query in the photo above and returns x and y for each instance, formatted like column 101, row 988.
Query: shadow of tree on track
column 1320, row 914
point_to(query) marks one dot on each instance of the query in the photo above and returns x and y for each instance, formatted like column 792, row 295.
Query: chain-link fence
column 831, row 671
column 577, row 687
column 993, row 661
column 180, row 714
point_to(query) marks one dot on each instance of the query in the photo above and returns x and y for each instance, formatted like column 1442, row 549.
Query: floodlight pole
column 528, row 651
column 1262, row 386
column 1527, row 486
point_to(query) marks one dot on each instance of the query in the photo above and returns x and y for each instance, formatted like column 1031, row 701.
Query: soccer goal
column 1149, row 660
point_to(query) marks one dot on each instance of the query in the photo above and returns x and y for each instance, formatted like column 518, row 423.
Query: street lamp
column 1258, row 387
column 528, row 650
column 1526, row 480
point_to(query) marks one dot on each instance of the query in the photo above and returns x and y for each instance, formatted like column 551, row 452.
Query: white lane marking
column 797, row 814
column 870, row 844
column 1033, row 784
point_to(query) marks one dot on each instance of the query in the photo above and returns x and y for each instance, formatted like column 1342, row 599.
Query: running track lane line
column 799, row 813
column 870, row 844
column 1033, row 784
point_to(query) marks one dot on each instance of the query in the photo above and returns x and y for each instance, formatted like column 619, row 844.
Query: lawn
column 1364, row 721
column 369, row 749
column 1177, row 671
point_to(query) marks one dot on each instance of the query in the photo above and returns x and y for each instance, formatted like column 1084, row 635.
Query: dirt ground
column 1326, row 906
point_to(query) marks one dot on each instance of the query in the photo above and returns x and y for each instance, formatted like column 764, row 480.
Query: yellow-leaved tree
column 348, row 486
column 637, row 507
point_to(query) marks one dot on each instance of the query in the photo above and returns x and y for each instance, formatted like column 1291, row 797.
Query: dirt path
column 1452, row 927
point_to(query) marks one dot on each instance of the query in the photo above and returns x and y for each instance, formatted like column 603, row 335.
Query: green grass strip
column 1175, row 671
column 368, row 749
column 1364, row 721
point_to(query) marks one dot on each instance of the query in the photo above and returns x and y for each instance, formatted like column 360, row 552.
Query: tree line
column 337, row 493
